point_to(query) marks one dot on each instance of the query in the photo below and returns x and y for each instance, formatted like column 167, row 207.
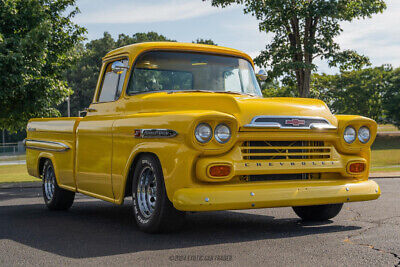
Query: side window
column 113, row 81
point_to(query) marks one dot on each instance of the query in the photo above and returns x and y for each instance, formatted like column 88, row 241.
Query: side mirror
column 118, row 67
column 262, row 75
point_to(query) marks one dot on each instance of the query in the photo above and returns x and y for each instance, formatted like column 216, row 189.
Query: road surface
column 96, row 233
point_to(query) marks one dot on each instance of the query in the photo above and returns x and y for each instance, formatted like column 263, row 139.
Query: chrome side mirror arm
column 118, row 67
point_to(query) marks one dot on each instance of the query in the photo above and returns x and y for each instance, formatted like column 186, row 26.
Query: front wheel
column 152, row 209
column 55, row 197
column 319, row 212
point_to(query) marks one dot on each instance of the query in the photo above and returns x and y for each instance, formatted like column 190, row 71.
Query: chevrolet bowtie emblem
column 295, row 122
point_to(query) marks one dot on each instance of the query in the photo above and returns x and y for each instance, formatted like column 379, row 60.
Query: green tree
column 391, row 99
column 35, row 39
column 82, row 76
column 303, row 30
column 272, row 88
column 204, row 41
column 354, row 92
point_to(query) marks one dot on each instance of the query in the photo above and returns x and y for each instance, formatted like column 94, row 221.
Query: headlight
column 203, row 133
column 364, row 134
column 349, row 134
column 222, row 133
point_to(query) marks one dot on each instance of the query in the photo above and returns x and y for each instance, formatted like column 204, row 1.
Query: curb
column 384, row 177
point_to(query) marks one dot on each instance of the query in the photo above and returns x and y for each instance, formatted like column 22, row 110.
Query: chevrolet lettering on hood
column 180, row 127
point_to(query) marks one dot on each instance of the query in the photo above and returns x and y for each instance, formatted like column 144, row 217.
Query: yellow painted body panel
column 275, row 194
column 61, row 130
column 102, row 146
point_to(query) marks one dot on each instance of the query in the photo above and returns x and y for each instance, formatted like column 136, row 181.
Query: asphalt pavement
column 96, row 233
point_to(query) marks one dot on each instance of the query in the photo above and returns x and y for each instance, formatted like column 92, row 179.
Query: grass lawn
column 387, row 128
column 12, row 158
column 15, row 173
column 385, row 169
column 386, row 152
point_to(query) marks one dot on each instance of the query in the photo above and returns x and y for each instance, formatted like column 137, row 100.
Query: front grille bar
column 285, row 150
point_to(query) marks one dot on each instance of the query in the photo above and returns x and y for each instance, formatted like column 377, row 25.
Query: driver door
column 94, row 134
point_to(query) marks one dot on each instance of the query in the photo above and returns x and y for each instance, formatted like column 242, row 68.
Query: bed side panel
column 54, row 139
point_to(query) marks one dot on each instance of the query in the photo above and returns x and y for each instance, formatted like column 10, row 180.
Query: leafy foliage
column 204, row 41
column 391, row 99
column 274, row 89
column 356, row 92
column 35, row 39
column 303, row 30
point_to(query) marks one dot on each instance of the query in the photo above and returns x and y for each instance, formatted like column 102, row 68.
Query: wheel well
column 41, row 165
column 129, row 179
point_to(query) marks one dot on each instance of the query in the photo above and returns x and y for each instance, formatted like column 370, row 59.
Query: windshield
column 183, row 71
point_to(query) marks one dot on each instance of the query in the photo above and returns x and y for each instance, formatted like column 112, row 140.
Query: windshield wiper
column 206, row 91
column 232, row 92
column 189, row 91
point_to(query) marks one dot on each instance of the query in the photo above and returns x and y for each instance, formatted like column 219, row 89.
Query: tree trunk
column 303, row 82
column 305, row 91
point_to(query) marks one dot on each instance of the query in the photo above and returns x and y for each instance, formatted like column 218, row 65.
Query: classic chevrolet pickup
column 184, row 127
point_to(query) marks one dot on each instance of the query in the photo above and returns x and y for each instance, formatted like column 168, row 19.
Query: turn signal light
column 357, row 167
column 220, row 170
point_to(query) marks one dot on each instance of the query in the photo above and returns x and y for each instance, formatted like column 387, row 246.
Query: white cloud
column 145, row 12
column 377, row 37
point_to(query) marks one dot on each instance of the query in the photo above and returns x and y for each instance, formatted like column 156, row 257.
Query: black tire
column 152, row 209
column 318, row 213
column 55, row 197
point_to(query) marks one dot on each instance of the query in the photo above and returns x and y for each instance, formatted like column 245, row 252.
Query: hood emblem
column 295, row 122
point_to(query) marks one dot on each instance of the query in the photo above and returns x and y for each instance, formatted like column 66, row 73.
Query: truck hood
column 243, row 107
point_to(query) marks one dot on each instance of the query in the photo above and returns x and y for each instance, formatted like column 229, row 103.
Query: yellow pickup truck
column 184, row 127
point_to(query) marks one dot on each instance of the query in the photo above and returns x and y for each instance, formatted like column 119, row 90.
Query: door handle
column 90, row 109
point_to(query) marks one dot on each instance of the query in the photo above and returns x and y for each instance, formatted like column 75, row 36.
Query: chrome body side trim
column 31, row 145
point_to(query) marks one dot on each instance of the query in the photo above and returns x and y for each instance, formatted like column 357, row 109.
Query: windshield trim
column 183, row 51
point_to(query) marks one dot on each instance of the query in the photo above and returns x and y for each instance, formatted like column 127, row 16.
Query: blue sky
column 187, row 20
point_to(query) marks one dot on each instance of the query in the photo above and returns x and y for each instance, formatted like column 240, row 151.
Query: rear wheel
column 152, row 209
column 55, row 197
column 318, row 213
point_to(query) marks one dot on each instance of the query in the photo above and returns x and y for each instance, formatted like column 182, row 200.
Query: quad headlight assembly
column 363, row 134
column 204, row 133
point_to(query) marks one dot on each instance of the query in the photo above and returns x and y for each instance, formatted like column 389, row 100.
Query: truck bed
column 53, row 138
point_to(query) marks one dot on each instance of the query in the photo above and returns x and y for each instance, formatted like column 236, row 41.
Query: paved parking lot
column 99, row 233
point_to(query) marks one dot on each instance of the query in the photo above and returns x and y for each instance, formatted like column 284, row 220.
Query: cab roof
column 136, row 49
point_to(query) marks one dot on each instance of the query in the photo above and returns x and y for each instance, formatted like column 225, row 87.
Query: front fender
column 177, row 155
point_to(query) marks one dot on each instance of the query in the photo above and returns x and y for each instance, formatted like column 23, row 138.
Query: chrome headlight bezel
column 362, row 139
column 198, row 135
column 217, row 135
column 347, row 135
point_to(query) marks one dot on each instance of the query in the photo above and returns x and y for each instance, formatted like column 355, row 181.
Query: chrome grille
column 285, row 150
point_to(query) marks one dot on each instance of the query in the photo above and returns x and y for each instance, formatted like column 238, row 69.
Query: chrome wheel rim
column 49, row 183
column 147, row 192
